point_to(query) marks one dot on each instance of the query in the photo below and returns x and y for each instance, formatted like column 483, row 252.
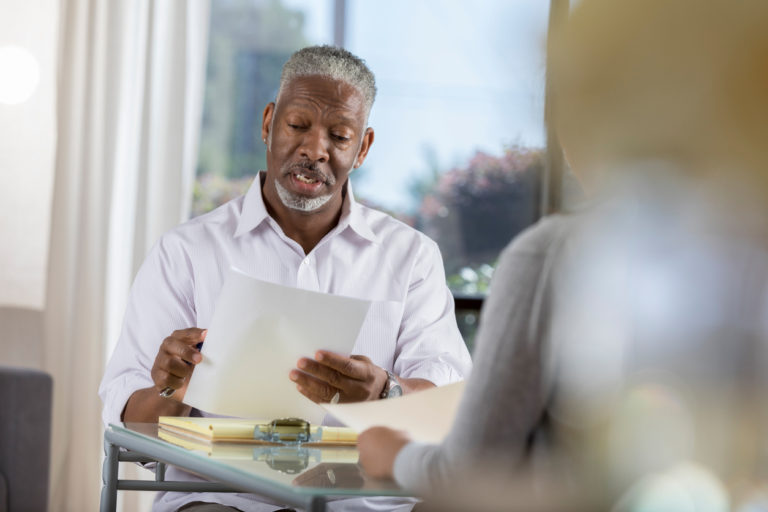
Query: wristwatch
column 391, row 387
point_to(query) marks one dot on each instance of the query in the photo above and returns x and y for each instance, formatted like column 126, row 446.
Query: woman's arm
column 505, row 396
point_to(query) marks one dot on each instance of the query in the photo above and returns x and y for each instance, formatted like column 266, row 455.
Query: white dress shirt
column 410, row 329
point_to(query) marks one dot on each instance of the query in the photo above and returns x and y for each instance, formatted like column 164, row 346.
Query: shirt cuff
column 116, row 395
column 439, row 373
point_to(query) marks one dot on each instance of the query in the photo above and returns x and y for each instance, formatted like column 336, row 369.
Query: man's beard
column 300, row 203
column 303, row 203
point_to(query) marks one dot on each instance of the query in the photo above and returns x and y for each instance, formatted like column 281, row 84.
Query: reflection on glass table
column 299, row 475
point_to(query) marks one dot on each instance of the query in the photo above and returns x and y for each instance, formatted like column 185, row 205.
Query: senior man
column 298, row 225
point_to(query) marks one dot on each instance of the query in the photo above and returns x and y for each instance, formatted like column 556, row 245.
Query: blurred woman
column 631, row 335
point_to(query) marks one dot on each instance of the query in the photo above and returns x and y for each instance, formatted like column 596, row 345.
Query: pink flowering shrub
column 473, row 211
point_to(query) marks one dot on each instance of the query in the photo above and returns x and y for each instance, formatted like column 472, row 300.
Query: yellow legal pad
column 269, row 453
column 224, row 450
column 238, row 430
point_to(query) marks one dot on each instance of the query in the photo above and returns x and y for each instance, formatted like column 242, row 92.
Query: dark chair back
column 25, row 438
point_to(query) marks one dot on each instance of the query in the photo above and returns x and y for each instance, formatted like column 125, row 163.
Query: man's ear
column 364, row 147
column 266, row 120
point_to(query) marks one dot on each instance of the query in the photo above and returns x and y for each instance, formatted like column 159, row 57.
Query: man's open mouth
column 305, row 179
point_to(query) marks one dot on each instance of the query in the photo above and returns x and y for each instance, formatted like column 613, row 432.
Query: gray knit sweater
column 506, row 395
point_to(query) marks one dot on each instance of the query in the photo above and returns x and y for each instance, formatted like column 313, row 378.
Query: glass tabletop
column 328, row 470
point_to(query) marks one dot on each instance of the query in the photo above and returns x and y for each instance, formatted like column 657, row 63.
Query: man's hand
column 378, row 447
column 174, row 363
column 176, row 359
column 355, row 378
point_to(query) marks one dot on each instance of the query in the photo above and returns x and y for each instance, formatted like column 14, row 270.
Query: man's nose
column 314, row 146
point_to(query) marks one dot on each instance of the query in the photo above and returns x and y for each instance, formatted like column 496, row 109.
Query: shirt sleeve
column 429, row 343
column 160, row 301
column 505, row 397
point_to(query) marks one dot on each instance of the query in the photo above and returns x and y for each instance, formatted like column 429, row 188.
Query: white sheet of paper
column 426, row 415
column 258, row 332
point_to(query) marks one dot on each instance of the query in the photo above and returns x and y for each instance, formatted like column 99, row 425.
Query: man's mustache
column 312, row 170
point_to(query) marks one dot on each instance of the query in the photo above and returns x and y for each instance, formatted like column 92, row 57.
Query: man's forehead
column 313, row 89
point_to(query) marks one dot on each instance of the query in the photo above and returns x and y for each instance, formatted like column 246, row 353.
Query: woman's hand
column 378, row 448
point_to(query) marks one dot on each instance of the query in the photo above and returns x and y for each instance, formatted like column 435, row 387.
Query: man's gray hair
column 331, row 62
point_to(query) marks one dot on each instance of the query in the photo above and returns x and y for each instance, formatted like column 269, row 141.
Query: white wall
column 27, row 145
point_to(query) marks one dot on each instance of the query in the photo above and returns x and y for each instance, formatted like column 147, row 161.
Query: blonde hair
column 683, row 80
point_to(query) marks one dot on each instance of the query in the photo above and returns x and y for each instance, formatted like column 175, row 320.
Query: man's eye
column 295, row 126
column 340, row 138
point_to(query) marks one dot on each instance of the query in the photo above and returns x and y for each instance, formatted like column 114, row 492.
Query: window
column 459, row 118
column 248, row 43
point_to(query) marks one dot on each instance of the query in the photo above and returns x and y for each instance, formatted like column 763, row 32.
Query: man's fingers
column 190, row 335
column 311, row 387
column 177, row 367
column 163, row 379
column 176, row 358
column 356, row 376
column 180, row 348
column 173, row 366
column 353, row 367
column 186, row 353
column 315, row 397
column 323, row 373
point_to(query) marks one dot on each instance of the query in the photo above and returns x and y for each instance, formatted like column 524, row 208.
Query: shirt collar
column 254, row 212
column 352, row 213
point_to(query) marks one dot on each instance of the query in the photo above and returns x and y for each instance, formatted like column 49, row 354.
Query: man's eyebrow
column 336, row 115
column 341, row 118
column 298, row 107
column 335, row 118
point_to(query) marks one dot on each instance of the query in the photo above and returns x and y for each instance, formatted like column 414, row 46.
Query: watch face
column 394, row 391
column 392, row 387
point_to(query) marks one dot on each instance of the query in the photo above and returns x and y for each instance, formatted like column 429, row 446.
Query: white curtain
column 129, row 102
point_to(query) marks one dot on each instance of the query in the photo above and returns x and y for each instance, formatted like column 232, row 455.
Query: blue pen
column 169, row 391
